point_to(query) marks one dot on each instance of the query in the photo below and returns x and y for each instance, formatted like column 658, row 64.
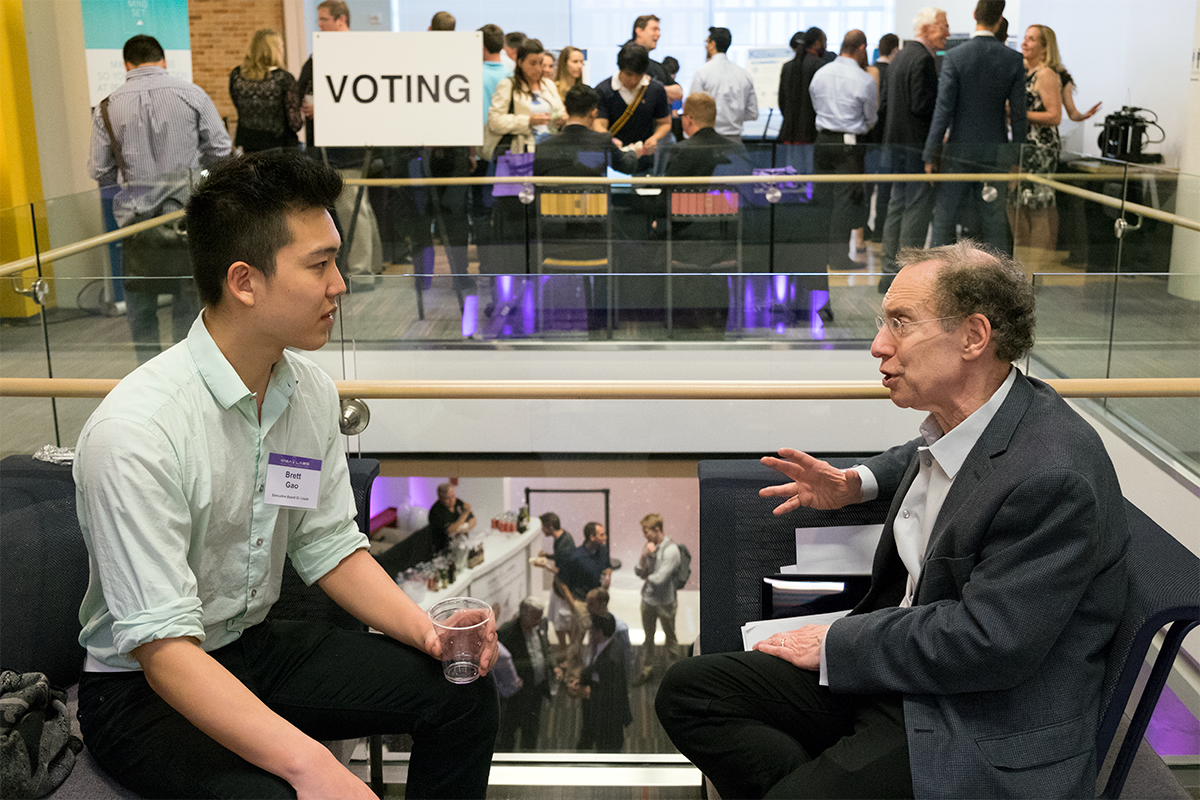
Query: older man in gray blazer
column 976, row 80
column 973, row 666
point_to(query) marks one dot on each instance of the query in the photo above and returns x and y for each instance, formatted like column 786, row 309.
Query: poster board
column 764, row 65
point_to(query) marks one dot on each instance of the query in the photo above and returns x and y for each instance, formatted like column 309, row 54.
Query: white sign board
column 764, row 65
column 378, row 89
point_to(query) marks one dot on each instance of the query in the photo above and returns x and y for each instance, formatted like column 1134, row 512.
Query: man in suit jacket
column 579, row 151
column 526, row 638
column 907, row 110
column 977, row 78
column 973, row 667
column 704, row 149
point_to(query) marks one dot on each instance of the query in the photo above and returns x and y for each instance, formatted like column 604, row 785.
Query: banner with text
column 397, row 89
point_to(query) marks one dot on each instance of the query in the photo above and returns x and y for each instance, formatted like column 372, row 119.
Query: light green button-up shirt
column 170, row 473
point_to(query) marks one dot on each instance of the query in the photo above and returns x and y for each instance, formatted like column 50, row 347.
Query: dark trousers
column 141, row 311
column 330, row 683
column 521, row 712
column 910, row 208
column 759, row 727
column 955, row 201
column 845, row 200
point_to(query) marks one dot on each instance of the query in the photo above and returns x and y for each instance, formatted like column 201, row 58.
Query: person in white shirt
column 728, row 84
column 846, row 100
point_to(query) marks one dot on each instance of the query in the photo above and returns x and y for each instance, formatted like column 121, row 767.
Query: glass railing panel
column 28, row 422
column 399, row 310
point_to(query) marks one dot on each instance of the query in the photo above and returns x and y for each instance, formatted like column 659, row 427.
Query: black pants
column 844, row 200
column 328, row 682
column 759, row 727
column 521, row 712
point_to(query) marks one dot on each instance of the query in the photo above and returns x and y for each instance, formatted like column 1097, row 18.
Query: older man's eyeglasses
column 900, row 328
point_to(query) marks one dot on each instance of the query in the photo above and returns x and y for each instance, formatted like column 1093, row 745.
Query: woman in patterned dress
column 266, row 96
column 1031, row 209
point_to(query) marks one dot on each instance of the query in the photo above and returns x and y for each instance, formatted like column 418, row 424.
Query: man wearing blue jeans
column 196, row 477
column 148, row 134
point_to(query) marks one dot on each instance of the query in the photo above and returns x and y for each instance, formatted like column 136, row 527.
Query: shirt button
column 254, row 592
column 928, row 462
column 905, row 513
column 258, row 543
column 261, row 486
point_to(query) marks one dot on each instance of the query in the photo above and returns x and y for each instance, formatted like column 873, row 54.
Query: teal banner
column 108, row 24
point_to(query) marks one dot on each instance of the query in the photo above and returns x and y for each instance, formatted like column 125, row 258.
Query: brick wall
column 221, row 31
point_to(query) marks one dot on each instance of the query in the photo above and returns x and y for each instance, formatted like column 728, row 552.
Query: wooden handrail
column 627, row 390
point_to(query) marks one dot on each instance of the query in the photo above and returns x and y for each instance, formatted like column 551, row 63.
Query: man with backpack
column 661, row 559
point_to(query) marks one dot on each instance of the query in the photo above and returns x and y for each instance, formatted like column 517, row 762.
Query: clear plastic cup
column 461, row 624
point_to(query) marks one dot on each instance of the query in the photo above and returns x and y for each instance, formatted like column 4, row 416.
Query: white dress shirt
column 941, row 458
column 845, row 97
column 733, row 90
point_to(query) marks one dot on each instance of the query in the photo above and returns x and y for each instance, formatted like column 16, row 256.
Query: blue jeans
column 141, row 309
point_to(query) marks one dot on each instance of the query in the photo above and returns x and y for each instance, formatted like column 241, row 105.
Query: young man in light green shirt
column 196, row 476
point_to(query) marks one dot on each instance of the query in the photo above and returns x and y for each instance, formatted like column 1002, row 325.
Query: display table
column 505, row 576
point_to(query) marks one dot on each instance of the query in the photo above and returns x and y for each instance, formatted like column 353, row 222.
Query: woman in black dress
column 266, row 96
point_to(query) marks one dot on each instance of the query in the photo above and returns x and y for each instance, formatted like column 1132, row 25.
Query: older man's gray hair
column 975, row 279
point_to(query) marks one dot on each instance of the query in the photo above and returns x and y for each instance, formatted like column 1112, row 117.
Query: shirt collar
column 145, row 71
column 618, row 86
column 928, row 46
column 978, row 33
column 219, row 375
column 951, row 449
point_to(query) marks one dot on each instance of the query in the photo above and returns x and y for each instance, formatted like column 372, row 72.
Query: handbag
column 37, row 748
column 160, row 252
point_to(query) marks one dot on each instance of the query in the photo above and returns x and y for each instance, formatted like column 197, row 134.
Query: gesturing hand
column 800, row 648
column 815, row 483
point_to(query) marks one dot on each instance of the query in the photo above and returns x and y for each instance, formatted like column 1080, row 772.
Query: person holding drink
column 196, row 477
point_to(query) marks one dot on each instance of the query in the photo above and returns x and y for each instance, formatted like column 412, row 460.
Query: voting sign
column 381, row 89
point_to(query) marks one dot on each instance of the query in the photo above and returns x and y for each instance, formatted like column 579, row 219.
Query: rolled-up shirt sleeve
column 327, row 534
column 139, row 530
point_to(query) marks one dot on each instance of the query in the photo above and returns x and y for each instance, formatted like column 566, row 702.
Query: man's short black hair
column 721, row 37
column 813, row 36
column 493, row 38
column 580, row 100
column 605, row 623
column 671, row 65
column 550, row 522
column 633, row 58
column 142, row 49
column 589, row 531
column 513, row 39
column 888, row 44
column 988, row 12
column 239, row 212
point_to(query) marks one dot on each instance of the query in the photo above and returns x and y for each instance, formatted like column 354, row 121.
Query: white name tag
column 293, row 481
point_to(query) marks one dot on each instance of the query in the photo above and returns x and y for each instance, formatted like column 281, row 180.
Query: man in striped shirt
column 147, row 135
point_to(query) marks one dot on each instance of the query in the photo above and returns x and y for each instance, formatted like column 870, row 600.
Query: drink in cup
column 461, row 624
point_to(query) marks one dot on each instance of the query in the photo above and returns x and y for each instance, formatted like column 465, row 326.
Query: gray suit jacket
column 976, row 78
column 1001, row 658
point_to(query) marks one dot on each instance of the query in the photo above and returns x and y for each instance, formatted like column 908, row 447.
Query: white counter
column 505, row 576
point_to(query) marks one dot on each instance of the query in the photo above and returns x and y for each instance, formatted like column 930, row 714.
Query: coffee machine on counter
column 1125, row 134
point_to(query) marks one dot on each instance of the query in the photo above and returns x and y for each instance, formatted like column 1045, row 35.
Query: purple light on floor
column 504, row 289
column 528, row 308
column 1173, row 731
column 781, row 285
column 819, row 298
column 470, row 318
column 780, row 328
column 748, row 305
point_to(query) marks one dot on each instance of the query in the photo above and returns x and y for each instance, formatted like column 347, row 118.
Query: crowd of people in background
column 917, row 108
